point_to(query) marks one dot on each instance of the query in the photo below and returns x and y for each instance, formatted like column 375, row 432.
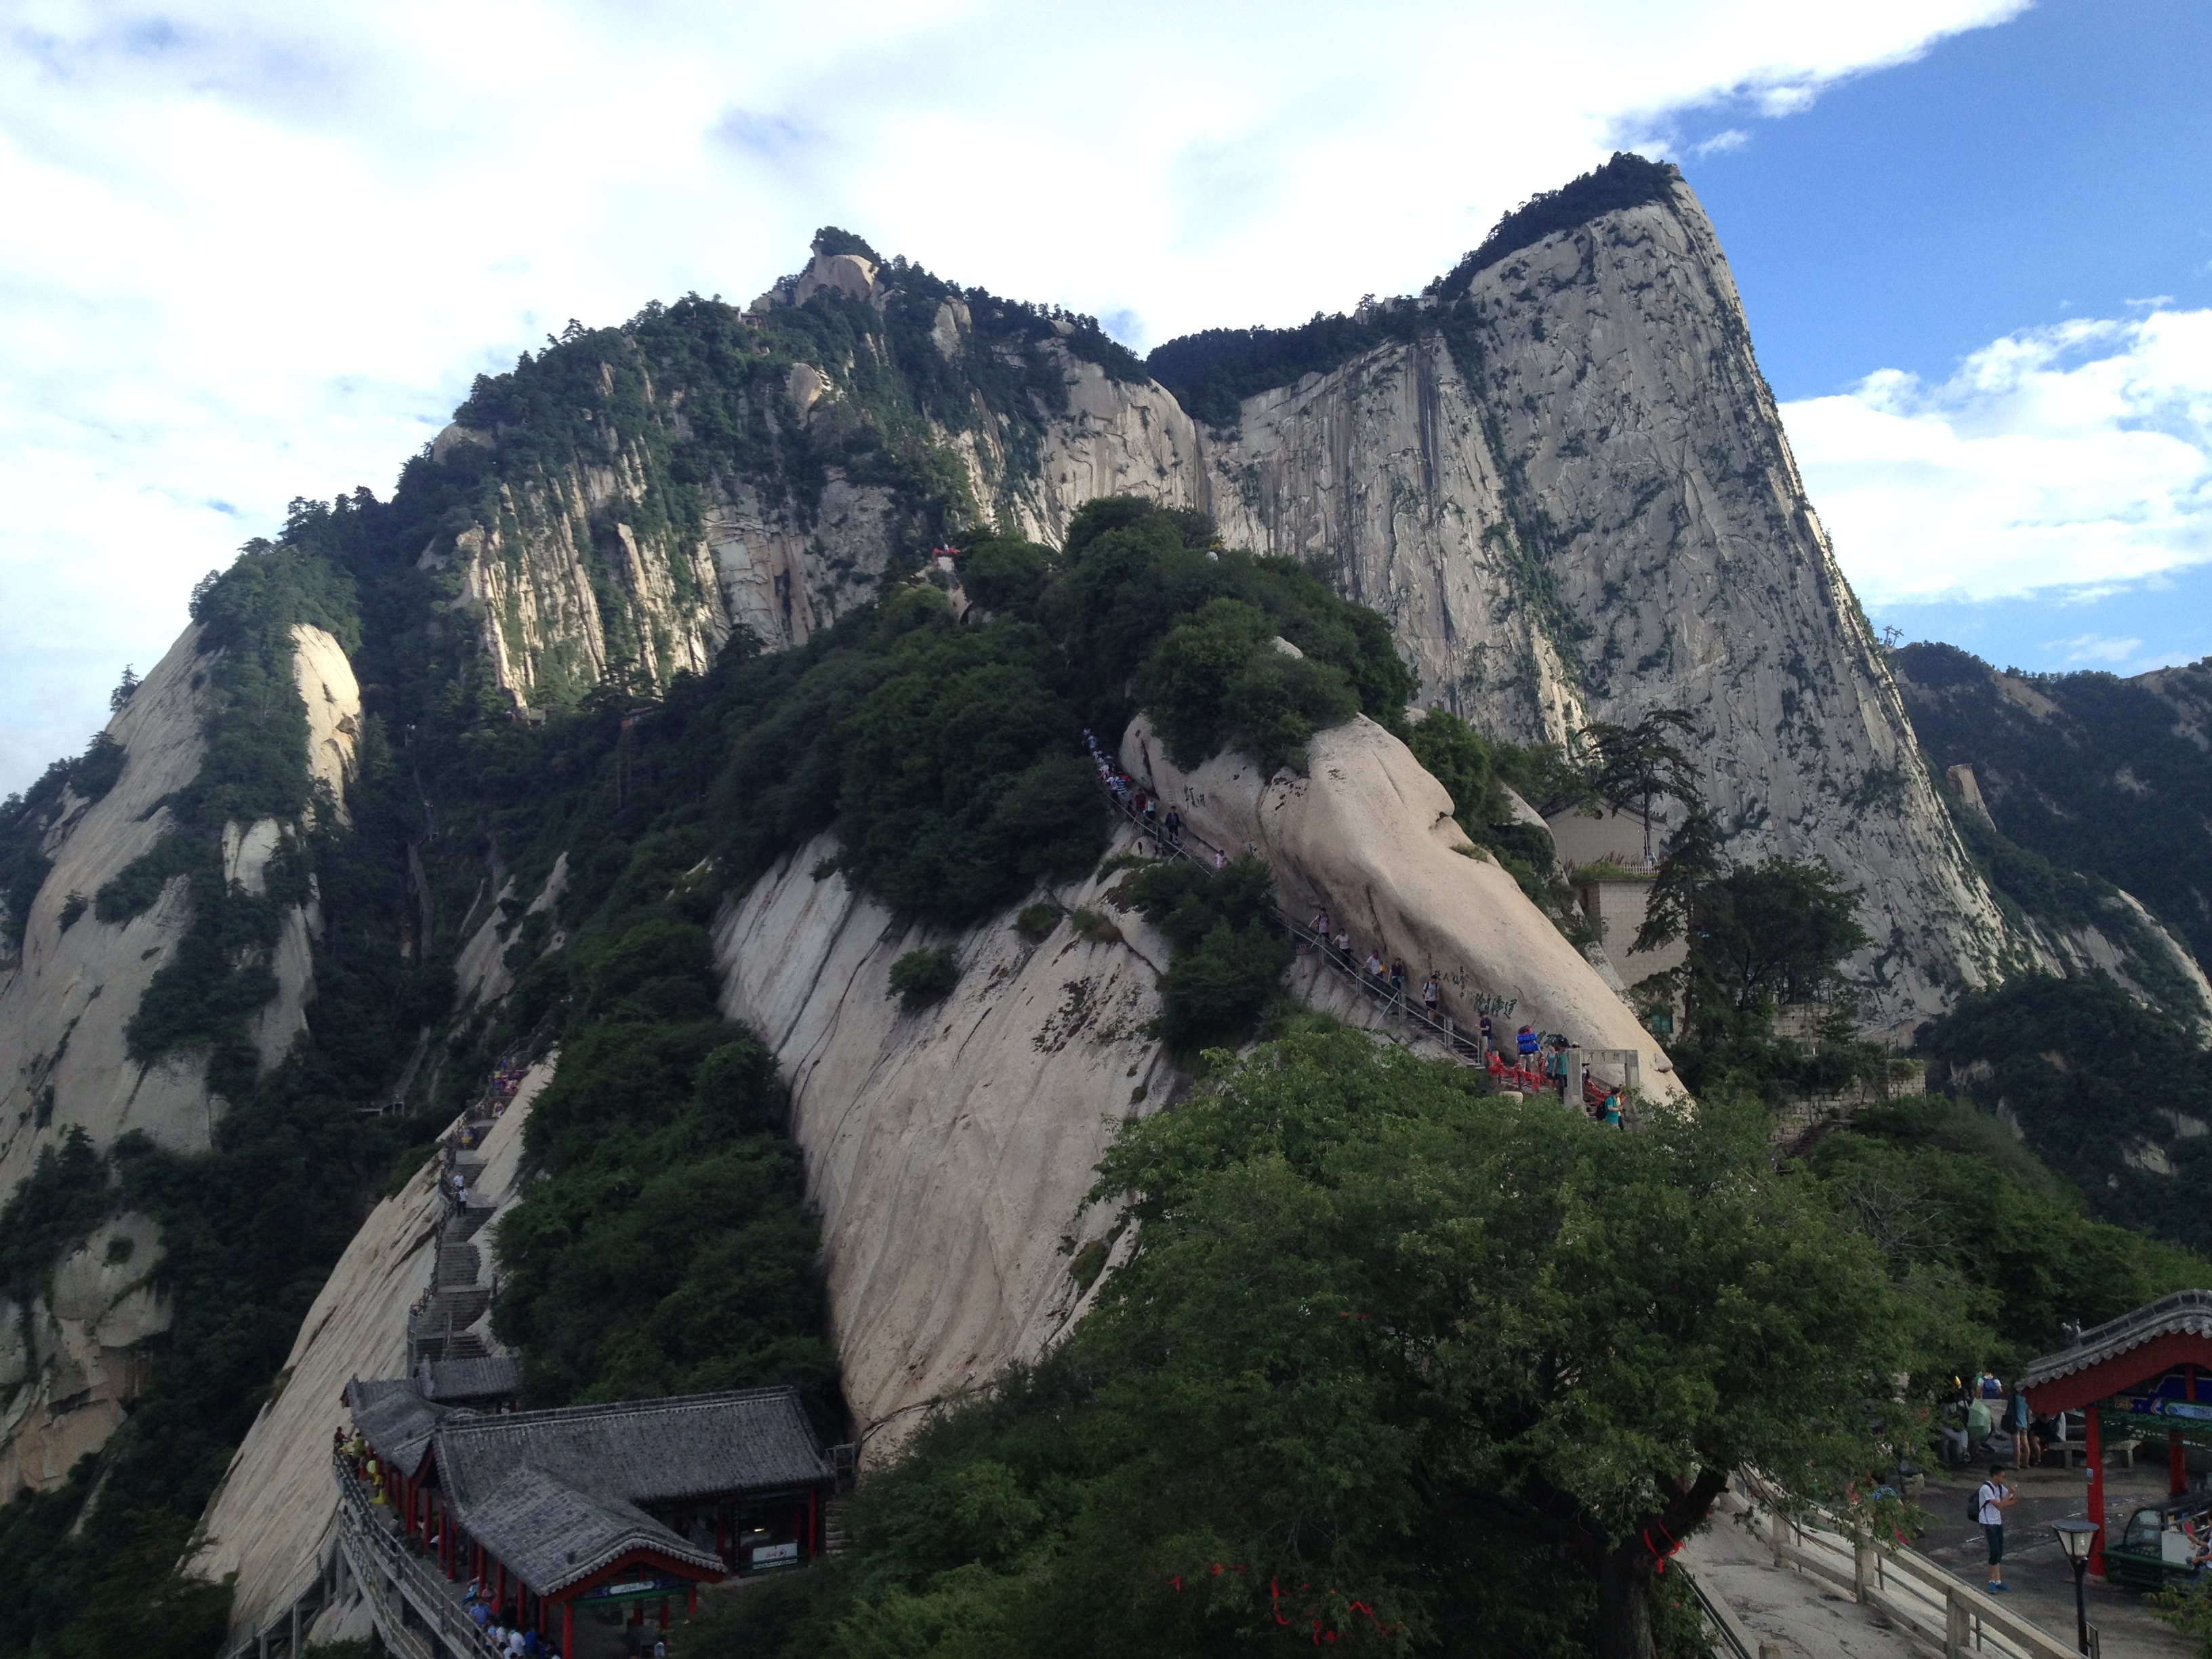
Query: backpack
column 1974, row 1504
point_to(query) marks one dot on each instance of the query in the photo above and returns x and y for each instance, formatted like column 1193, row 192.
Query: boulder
column 1368, row 835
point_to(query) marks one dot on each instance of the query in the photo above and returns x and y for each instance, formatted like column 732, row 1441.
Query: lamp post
column 2075, row 1536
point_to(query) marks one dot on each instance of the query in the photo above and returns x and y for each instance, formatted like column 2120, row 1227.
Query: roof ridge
column 616, row 1408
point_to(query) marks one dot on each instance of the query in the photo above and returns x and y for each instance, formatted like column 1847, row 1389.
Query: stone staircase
column 448, row 1323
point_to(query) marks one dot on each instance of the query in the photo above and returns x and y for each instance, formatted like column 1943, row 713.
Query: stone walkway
column 1807, row 1617
column 2127, row 1626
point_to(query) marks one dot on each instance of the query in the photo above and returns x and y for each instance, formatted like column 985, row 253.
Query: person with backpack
column 1992, row 1499
column 1980, row 1425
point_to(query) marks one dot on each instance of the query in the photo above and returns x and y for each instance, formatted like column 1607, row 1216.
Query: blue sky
column 256, row 250
column 2044, row 173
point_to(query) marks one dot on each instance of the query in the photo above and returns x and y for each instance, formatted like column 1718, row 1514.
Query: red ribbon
column 1659, row 1555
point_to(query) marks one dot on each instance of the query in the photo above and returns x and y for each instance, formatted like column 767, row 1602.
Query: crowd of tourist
column 1538, row 1062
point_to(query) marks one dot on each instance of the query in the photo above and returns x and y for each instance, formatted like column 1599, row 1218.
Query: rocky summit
column 686, row 891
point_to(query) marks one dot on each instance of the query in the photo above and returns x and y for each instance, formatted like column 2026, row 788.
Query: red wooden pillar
column 692, row 1601
column 811, row 1496
column 567, row 1629
column 2094, row 1450
column 664, row 1613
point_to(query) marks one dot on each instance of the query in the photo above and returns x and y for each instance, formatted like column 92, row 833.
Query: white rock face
column 1368, row 836
column 481, row 974
column 269, row 1519
column 63, row 1012
column 66, row 1011
column 1607, row 520
column 332, row 696
column 949, row 1149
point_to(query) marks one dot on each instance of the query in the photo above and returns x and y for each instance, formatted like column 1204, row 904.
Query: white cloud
column 2096, row 648
column 259, row 250
column 2073, row 458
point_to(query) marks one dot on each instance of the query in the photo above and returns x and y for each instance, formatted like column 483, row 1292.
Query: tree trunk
column 1624, row 1602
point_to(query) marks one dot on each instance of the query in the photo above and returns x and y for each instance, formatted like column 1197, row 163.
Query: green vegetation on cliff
column 1213, row 372
column 2087, row 771
column 1394, row 1361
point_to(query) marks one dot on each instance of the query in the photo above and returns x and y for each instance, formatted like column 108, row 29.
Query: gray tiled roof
column 2186, row 1313
column 646, row 1450
column 395, row 1419
column 553, row 1535
column 453, row 1381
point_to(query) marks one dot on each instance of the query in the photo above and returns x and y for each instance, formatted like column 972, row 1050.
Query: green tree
column 1636, row 765
column 1392, row 1364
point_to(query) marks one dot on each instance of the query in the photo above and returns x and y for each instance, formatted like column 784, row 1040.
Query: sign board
column 634, row 1584
column 776, row 1555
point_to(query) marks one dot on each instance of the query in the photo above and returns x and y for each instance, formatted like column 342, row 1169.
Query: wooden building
column 2145, row 1377
column 600, row 1508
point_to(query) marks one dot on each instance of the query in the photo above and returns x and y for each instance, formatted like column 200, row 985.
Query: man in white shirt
column 1993, row 1499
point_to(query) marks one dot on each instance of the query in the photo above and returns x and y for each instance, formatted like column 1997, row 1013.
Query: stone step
column 461, row 1225
column 454, row 1310
column 459, row 1265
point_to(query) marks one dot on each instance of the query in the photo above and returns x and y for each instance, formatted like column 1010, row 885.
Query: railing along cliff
column 1439, row 1028
column 415, row 1609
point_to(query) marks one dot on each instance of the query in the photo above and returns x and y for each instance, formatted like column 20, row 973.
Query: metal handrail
column 1458, row 1044
column 433, row 1599
column 1898, row 1581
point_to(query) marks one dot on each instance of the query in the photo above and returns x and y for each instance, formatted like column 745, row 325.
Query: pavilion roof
column 642, row 1451
column 457, row 1382
column 555, row 1535
column 2183, row 1314
column 395, row 1419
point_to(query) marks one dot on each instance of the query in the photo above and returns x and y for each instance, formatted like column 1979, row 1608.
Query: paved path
column 1808, row 1618
column 2036, row 1567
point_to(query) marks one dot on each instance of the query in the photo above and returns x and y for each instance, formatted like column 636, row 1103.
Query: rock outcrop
column 71, row 1367
column 1573, row 499
column 65, row 1010
column 1368, row 836
column 270, row 1520
column 948, row 1148
column 63, row 1063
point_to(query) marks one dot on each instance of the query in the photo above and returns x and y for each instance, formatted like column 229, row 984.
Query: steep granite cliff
column 1570, row 491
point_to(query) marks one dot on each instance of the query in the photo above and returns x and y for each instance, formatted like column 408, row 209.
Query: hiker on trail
column 1612, row 1109
column 1431, row 993
column 1489, row 1046
column 1397, row 977
column 1993, row 1499
column 1374, row 965
column 1525, row 1042
column 1174, row 827
column 1320, row 925
column 1987, row 1386
column 1344, row 946
column 1220, row 858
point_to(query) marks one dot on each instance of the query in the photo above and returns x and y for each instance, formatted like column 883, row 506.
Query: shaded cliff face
column 1563, row 479
column 69, row 1062
column 2091, row 771
column 630, row 499
column 1571, row 493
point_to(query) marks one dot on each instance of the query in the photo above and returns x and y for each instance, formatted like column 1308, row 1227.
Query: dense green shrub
column 1005, row 575
column 1229, row 958
column 926, row 975
column 1415, row 1367
column 2088, row 1073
